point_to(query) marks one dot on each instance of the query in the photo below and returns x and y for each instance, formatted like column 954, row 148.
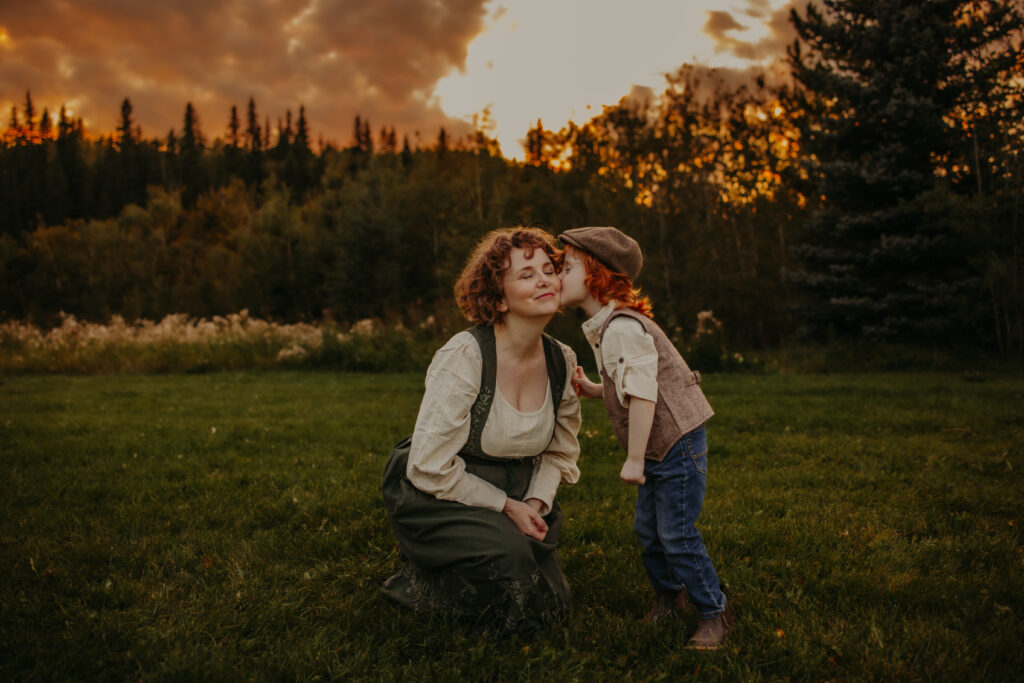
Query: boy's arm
column 641, row 418
column 584, row 387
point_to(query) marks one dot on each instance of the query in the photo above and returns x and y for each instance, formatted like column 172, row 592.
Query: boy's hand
column 633, row 472
column 584, row 387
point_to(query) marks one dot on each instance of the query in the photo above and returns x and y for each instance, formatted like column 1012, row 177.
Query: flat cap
column 610, row 246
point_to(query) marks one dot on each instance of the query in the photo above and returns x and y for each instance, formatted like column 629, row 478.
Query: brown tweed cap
column 610, row 246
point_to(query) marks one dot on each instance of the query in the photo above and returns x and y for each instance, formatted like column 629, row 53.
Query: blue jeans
column 667, row 506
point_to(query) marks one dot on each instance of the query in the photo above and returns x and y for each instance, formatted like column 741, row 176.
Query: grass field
column 229, row 526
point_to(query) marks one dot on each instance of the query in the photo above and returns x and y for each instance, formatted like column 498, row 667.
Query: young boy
column 658, row 412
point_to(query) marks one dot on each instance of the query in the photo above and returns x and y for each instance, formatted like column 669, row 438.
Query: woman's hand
column 584, row 387
column 526, row 518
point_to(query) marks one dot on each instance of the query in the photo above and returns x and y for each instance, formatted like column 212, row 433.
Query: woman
column 472, row 498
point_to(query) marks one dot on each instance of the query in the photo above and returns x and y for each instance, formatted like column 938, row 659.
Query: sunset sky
column 413, row 64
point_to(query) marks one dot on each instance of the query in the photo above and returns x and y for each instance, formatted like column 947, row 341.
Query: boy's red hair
column 604, row 284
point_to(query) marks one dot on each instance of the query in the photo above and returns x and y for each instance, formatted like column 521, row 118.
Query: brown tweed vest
column 681, row 406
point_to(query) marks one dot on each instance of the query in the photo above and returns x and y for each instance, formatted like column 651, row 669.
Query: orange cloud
column 378, row 58
column 780, row 32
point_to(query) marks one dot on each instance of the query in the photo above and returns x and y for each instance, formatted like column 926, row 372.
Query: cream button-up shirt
column 627, row 354
column 442, row 427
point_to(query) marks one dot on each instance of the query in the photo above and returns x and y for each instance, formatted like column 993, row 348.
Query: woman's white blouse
column 442, row 427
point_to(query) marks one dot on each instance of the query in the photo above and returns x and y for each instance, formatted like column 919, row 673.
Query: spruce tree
column 233, row 127
column 126, row 127
column 45, row 125
column 30, row 112
column 254, row 147
column 884, row 79
column 192, row 173
column 254, row 137
column 302, row 133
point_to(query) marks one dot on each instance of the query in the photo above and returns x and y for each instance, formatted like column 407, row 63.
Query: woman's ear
column 503, row 305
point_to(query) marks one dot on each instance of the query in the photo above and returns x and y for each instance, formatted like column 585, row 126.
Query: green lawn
column 229, row 526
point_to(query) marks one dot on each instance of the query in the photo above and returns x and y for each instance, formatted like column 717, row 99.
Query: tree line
column 878, row 195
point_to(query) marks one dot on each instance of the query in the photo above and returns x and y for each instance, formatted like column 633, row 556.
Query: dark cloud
column 781, row 33
column 377, row 58
column 720, row 23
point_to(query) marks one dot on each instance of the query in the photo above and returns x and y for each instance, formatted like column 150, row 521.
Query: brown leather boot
column 665, row 603
column 711, row 632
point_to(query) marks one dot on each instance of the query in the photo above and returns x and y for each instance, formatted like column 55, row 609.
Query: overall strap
column 555, row 362
column 556, row 372
column 484, row 335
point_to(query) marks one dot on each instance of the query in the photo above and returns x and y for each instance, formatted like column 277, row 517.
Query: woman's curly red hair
column 478, row 291
column 604, row 284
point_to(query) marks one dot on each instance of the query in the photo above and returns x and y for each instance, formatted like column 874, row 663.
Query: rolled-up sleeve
column 442, row 427
column 631, row 360
column 558, row 462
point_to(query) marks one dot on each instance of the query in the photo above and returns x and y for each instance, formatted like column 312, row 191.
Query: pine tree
column 126, row 127
column 191, row 136
column 192, row 174
column 302, row 132
column 254, row 147
column 406, row 152
column 357, row 132
column 233, row 128
column 13, row 125
column 253, row 135
column 883, row 78
column 63, row 124
column 45, row 125
column 30, row 112
column 367, row 137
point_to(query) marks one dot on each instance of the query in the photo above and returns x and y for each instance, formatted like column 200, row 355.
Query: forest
column 874, row 193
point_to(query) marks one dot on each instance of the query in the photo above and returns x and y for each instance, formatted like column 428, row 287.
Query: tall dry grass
column 179, row 343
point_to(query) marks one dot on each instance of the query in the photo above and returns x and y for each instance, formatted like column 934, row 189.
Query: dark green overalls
column 469, row 561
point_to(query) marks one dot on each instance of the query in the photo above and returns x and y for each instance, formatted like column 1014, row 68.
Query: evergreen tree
column 302, row 132
column 406, row 152
column 63, row 124
column 233, row 127
column 192, row 173
column 13, row 125
column 254, row 147
column 72, row 164
column 126, row 127
column 883, row 79
column 30, row 112
column 357, row 132
column 253, row 136
column 367, row 137
column 191, row 136
column 45, row 125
